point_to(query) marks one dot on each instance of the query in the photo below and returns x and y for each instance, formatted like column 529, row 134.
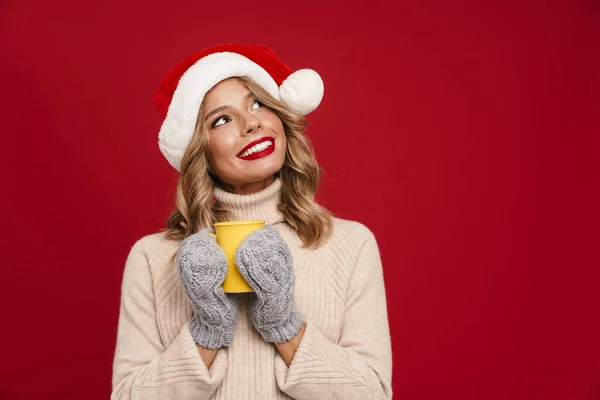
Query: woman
column 316, row 325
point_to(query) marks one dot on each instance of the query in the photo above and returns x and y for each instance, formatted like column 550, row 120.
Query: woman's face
column 234, row 119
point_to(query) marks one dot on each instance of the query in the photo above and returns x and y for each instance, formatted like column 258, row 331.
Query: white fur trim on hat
column 302, row 91
column 178, row 126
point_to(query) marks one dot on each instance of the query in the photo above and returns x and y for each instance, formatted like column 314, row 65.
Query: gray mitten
column 265, row 261
column 202, row 267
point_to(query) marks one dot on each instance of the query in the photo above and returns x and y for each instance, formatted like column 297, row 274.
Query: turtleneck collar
column 259, row 205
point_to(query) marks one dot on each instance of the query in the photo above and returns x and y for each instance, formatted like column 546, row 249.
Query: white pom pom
column 302, row 91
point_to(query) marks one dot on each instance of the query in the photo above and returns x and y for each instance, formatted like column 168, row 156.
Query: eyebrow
column 222, row 108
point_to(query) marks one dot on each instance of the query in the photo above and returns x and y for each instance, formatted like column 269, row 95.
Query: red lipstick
column 259, row 154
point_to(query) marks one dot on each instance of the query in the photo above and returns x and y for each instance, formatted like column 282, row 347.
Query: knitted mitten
column 202, row 267
column 265, row 261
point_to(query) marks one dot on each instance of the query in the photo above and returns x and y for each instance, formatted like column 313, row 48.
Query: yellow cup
column 229, row 236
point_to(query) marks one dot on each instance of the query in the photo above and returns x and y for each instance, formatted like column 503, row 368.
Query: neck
column 250, row 187
column 261, row 204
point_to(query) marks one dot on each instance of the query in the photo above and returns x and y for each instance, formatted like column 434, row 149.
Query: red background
column 460, row 134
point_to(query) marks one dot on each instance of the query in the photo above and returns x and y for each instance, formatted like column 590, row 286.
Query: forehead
column 225, row 92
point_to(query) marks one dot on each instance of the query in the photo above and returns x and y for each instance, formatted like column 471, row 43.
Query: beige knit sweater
column 345, row 352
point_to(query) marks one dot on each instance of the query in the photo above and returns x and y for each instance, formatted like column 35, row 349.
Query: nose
column 253, row 124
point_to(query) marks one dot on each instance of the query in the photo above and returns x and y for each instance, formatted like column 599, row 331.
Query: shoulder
column 353, row 231
column 149, row 242
column 347, row 239
column 152, row 251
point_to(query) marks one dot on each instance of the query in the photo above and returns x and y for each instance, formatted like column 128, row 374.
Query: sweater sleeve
column 143, row 368
column 359, row 366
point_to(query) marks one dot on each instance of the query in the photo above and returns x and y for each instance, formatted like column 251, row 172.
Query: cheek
column 273, row 122
column 221, row 144
column 220, row 148
column 281, row 149
column 277, row 126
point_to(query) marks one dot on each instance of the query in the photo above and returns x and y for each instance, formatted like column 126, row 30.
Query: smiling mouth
column 260, row 150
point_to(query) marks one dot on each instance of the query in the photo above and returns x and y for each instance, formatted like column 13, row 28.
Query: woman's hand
column 265, row 261
column 202, row 267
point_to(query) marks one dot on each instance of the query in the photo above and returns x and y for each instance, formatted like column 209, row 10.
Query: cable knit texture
column 265, row 262
column 202, row 268
column 345, row 352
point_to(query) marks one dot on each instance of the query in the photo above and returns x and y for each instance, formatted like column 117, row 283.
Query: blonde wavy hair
column 196, row 209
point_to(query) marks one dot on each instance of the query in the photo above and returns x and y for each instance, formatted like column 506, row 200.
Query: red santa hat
column 182, row 90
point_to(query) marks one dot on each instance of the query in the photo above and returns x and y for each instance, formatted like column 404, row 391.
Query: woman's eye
column 220, row 121
column 256, row 104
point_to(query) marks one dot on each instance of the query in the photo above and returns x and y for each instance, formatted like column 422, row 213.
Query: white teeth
column 258, row 147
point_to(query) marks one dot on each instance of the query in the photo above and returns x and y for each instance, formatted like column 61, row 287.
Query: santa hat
column 182, row 90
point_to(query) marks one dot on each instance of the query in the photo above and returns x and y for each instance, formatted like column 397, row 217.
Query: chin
column 267, row 173
column 271, row 167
